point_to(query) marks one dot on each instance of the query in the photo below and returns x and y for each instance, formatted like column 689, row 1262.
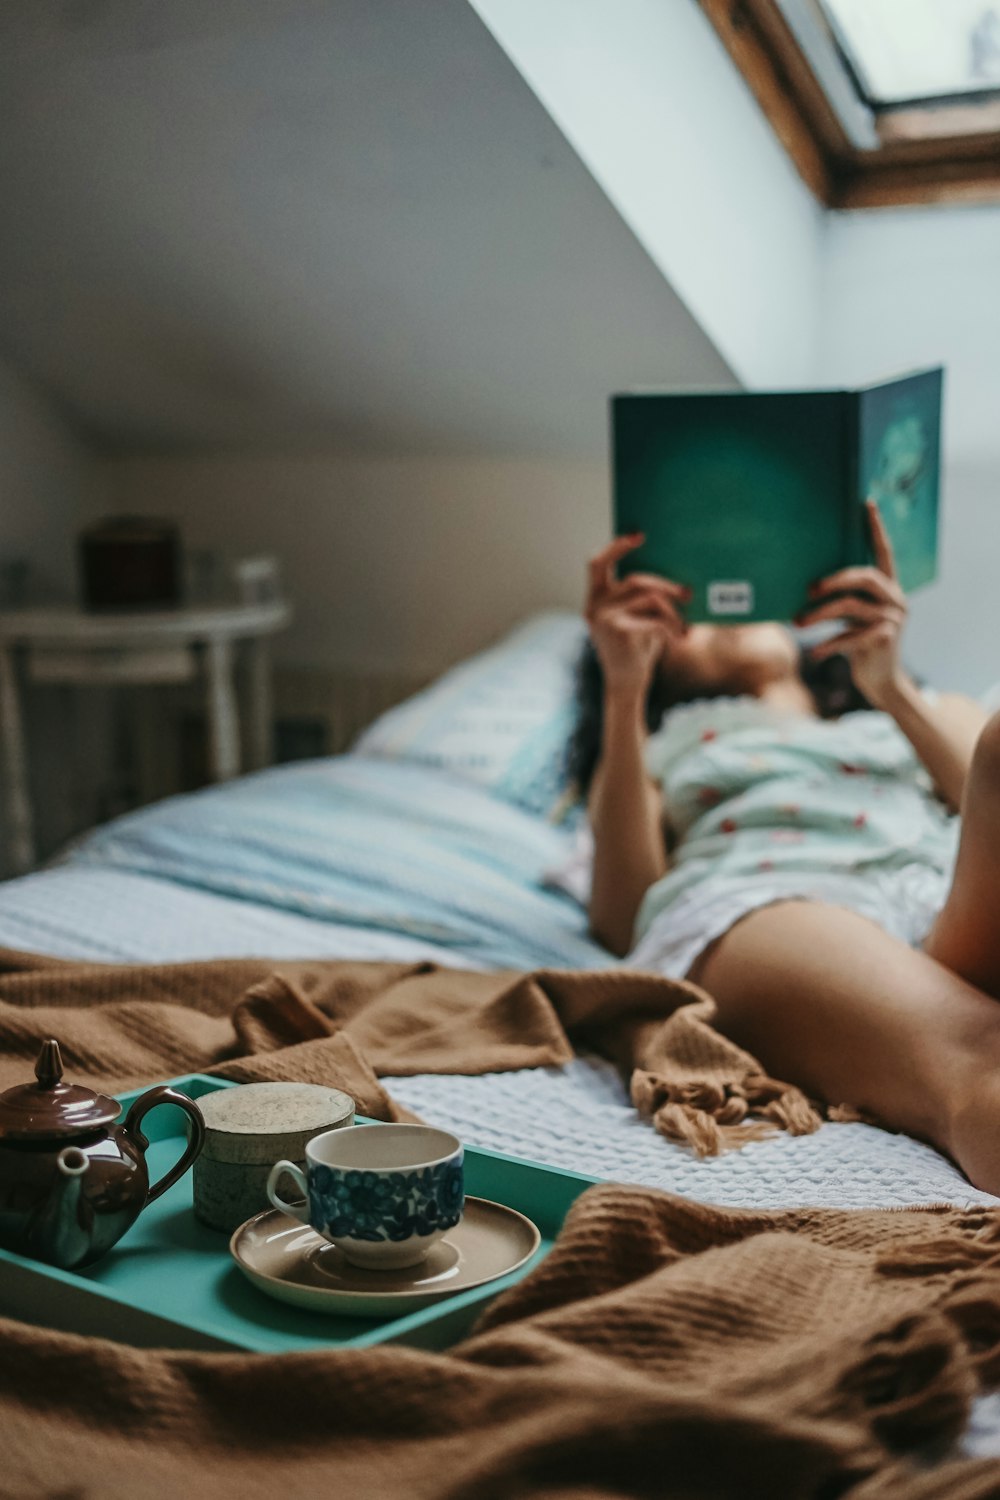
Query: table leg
column 260, row 706
column 14, row 770
column 223, row 715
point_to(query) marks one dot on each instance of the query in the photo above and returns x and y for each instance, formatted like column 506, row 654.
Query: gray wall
column 48, row 478
column 393, row 563
column 303, row 225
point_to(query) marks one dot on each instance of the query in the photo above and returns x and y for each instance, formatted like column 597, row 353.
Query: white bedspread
column 579, row 1117
column 117, row 916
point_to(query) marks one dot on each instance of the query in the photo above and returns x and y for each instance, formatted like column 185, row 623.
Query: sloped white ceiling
column 247, row 223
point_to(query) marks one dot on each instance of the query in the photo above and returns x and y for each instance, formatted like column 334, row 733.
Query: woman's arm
column 631, row 622
column 943, row 732
column 625, row 815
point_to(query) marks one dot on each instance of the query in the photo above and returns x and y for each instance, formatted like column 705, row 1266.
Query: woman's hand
column 873, row 608
column 632, row 620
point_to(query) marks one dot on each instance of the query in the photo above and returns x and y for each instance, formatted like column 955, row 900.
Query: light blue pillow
column 501, row 719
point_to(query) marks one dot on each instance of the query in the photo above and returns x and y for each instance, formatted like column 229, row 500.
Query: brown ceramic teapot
column 71, row 1180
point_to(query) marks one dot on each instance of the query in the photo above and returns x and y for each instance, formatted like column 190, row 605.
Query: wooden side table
column 71, row 645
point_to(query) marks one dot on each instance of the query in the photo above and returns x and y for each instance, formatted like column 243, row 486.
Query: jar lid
column 258, row 1122
column 51, row 1109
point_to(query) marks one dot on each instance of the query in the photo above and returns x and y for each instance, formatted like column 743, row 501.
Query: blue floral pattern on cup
column 362, row 1205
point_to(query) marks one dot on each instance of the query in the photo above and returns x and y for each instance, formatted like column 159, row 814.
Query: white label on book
column 731, row 597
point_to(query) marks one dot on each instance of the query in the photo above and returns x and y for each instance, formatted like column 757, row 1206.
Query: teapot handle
column 148, row 1101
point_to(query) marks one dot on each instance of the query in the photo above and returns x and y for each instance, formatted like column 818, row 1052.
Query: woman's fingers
column 648, row 605
column 859, row 580
column 849, row 641
column 867, row 611
column 880, row 581
column 601, row 568
column 602, row 581
column 651, row 581
column 871, row 604
column 644, row 593
column 884, row 559
column 669, row 585
column 641, row 627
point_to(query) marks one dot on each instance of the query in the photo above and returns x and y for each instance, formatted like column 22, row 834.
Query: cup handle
column 297, row 1210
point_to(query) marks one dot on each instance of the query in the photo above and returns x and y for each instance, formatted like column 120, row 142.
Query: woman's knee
column 986, row 755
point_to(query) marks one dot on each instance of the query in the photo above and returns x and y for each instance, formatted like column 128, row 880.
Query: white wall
column 393, row 564
column 909, row 287
column 647, row 95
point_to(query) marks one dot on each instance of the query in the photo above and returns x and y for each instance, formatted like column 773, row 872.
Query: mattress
column 439, row 855
column 577, row 1117
column 391, row 847
column 359, row 857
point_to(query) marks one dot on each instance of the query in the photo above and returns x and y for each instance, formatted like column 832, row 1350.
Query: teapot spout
column 59, row 1235
column 72, row 1163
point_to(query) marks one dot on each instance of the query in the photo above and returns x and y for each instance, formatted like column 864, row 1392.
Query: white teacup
column 384, row 1194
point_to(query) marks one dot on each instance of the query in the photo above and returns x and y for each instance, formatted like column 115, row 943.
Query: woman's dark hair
column 829, row 681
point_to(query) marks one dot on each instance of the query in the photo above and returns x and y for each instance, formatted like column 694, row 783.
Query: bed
column 432, row 839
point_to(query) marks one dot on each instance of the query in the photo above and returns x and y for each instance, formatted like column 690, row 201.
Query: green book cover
column 749, row 497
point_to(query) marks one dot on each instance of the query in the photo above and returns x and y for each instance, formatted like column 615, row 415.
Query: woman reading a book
column 803, row 864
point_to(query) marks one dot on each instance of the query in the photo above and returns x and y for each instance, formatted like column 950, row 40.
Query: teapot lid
column 50, row 1107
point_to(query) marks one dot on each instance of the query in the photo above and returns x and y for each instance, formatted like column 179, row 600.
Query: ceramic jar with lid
column 248, row 1129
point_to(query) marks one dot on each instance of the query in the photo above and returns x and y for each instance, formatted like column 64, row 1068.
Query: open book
column 748, row 498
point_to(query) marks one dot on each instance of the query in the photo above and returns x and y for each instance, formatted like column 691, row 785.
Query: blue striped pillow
column 501, row 719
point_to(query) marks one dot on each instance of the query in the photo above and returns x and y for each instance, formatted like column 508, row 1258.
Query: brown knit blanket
column 664, row 1348
column 346, row 1024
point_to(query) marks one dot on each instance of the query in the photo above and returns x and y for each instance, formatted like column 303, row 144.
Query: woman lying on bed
column 805, row 869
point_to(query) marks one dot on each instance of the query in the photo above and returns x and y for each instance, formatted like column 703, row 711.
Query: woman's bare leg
column 966, row 936
column 828, row 1000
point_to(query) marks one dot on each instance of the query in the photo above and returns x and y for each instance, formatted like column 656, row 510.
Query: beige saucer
column 290, row 1261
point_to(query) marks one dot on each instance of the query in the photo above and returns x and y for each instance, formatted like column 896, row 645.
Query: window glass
column 901, row 51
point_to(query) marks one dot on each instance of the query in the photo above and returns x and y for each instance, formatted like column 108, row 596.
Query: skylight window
column 904, row 52
column 876, row 101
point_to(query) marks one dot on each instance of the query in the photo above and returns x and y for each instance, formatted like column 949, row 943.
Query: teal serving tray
column 170, row 1282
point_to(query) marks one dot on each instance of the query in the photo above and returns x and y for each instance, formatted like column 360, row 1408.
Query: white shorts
column 904, row 902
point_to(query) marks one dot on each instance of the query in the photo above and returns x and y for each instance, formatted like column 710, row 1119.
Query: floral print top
column 749, row 789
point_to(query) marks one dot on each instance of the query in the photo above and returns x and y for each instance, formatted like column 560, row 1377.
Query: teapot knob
column 49, row 1068
column 49, row 1108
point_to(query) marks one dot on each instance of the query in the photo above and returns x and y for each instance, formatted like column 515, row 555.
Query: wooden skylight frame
column 920, row 154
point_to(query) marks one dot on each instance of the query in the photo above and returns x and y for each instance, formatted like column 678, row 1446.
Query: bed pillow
column 501, row 719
